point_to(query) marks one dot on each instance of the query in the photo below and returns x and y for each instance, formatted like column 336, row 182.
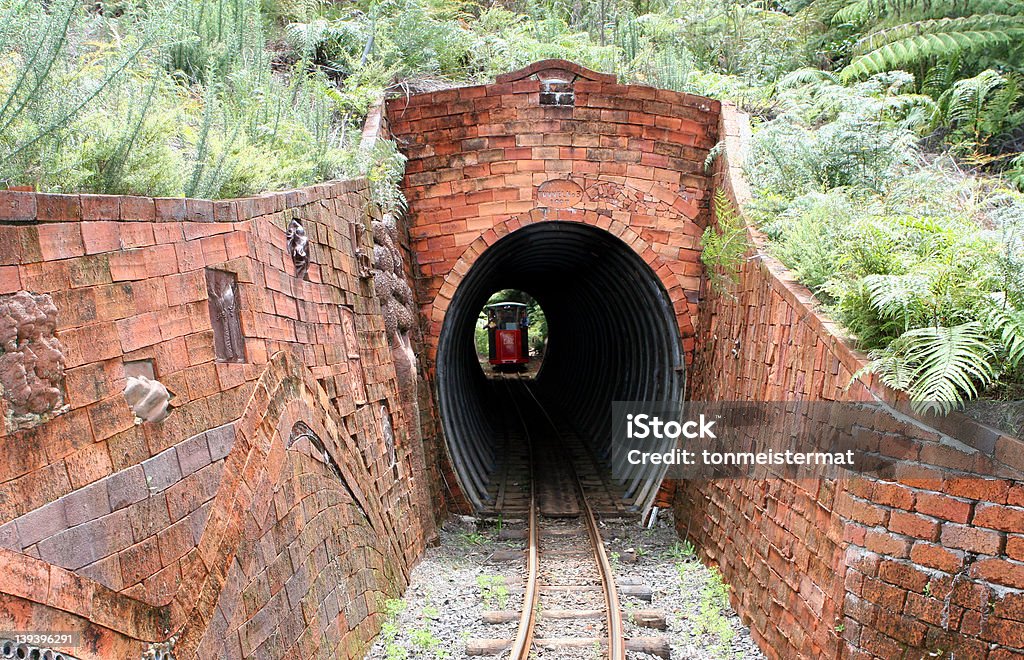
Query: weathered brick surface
column 477, row 156
column 177, row 518
column 922, row 565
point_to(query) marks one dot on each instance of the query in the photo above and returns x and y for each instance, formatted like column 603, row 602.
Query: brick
column 60, row 240
column 137, row 234
column 56, row 208
column 903, row 575
column 1015, row 547
column 128, row 265
column 106, row 571
column 101, row 237
column 19, row 244
column 127, row 487
column 148, row 517
column 87, row 503
column 1005, row 632
column 101, row 207
column 10, row 279
column 161, row 260
column 884, row 595
column 981, row 541
column 903, row 629
column 886, row 543
column 88, row 464
column 170, row 209
column 23, row 576
column 943, row 506
column 183, row 498
column 914, row 525
column 1010, row 606
column 110, row 416
column 89, row 271
column 1016, row 496
column 9, row 537
column 937, row 557
column 70, row 592
column 193, row 454
column 137, row 208
column 185, row 288
column 995, row 516
column 175, row 541
column 140, row 561
column 95, row 381
column 865, row 512
column 138, row 331
column 975, row 488
column 162, row 470
column 42, row 523
column 220, row 440
column 17, row 206
column 1000, row 571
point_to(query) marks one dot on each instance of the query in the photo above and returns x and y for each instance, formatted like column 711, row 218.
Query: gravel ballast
column 473, row 571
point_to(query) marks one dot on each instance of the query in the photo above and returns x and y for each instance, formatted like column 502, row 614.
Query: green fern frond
column 939, row 26
column 939, row 367
column 1007, row 325
column 860, row 12
column 894, row 296
column 806, row 76
column 923, row 47
column 941, row 76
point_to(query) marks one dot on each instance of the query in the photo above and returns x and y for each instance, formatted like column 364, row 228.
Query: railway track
column 571, row 602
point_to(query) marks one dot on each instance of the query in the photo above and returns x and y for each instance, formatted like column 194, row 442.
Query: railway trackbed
column 571, row 602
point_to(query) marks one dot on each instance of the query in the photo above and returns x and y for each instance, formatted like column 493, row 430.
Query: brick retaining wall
column 153, row 515
column 927, row 564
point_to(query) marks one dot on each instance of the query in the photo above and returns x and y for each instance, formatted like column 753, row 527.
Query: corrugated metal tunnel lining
column 613, row 336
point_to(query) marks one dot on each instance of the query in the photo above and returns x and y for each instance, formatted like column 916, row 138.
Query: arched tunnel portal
column 613, row 336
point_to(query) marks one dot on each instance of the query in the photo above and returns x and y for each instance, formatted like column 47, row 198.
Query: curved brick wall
column 214, row 527
column 930, row 562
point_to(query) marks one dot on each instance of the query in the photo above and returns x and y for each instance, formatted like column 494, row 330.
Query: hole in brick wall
column 557, row 92
column 613, row 337
column 225, row 315
column 136, row 368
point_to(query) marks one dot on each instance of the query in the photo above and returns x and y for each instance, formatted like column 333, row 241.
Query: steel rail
column 523, row 643
column 616, row 637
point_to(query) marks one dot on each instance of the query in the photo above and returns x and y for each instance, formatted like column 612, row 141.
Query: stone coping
column 36, row 207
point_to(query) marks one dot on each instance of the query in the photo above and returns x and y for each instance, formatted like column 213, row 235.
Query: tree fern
column 939, row 367
column 860, row 12
column 927, row 40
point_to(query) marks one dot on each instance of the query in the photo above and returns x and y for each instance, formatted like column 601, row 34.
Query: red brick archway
column 479, row 155
column 675, row 286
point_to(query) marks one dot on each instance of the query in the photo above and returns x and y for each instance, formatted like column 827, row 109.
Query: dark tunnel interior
column 613, row 336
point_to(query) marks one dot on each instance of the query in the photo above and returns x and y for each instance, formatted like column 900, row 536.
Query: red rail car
column 508, row 336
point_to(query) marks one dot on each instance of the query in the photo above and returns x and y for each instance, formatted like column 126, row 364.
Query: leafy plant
column 894, row 34
column 726, row 244
column 493, row 590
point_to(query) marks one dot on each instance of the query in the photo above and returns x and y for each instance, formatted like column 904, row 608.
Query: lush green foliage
column 920, row 262
column 168, row 99
column 725, row 244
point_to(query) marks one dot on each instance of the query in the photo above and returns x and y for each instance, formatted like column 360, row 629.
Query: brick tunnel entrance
column 613, row 335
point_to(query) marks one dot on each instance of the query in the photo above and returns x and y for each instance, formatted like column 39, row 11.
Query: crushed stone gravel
column 472, row 571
